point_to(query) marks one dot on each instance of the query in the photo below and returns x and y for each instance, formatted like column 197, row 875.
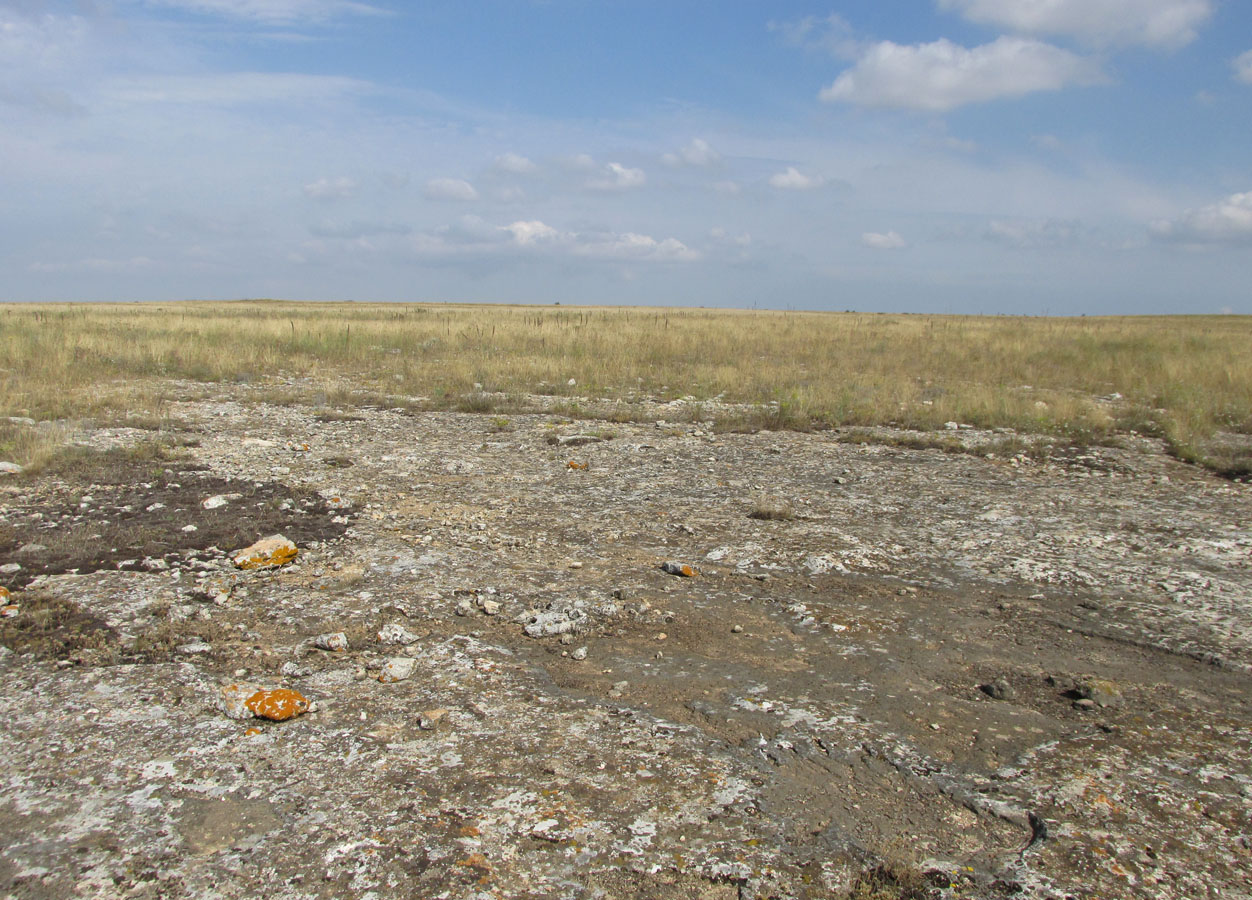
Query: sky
column 1039, row 157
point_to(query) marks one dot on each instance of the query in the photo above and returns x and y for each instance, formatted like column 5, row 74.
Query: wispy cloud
column 1243, row 67
column 696, row 153
column 617, row 177
column 942, row 76
column 273, row 12
column 449, row 189
column 514, row 164
column 889, row 240
column 474, row 237
column 795, row 180
column 1154, row 23
column 330, row 188
column 1228, row 221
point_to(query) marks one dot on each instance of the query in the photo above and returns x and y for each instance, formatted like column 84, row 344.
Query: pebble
column 491, row 607
column 681, row 569
column 737, row 629
column 430, row 719
column 277, row 705
column 580, row 653
column 395, row 633
column 398, row 668
column 10, row 569
column 8, row 468
column 334, row 641
column 291, row 669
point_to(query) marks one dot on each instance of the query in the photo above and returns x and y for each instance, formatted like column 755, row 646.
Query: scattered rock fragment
column 335, row 641
column 8, row 468
column 10, row 569
column 680, row 569
column 999, row 689
column 579, row 654
column 395, row 633
column 277, row 705
column 1100, row 691
column 430, row 719
column 398, row 668
column 268, row 552
column 217, row 501
column 736, row 629
column 292, row 669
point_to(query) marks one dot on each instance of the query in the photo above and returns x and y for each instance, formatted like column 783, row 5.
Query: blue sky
column 995, row 156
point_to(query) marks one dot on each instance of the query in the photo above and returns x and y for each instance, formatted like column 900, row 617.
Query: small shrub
column 771, row 510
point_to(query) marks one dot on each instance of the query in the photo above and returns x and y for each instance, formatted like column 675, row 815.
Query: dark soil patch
column 51, row 628
column 139, row 510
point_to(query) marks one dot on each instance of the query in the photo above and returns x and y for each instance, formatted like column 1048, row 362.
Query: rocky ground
column 891, row 672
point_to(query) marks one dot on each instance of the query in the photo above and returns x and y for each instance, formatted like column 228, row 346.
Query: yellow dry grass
column 1182, row 377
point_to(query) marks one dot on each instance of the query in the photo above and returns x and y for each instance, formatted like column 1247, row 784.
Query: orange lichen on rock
column 269, row 552
column 579, row 467
column 277, row 705
column 4, row 592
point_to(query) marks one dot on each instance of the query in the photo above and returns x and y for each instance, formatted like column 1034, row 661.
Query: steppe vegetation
column 1187, row 380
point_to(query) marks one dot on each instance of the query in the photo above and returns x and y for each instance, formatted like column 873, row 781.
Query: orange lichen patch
column 4, row 592
column 269, row 552
column 579, row 467
column 468, row 831
column 277, row 705
column 252, row 731
column 9, row 611
column 688, row 571
column 477, row 863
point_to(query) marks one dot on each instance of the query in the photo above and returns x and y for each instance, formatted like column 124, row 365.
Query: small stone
column 195, row 647
column 277, row 705
column 291, row 669
column 335, row 641
column 1085, row 703
column 566, row 639
column 395, row 633
column 268, row 552
column 8, row 468
column 579, row 654
column 155, row 564
column 430, row 719
column 736, row 629
column 10, row 569
column 680, row 569
column 233, row 699
column 154, row 507
column 10, row 611
column 1102, row 692
column 662, row 636
column 999, row 689
column 217, row 501
column 465, row 608
column 190, row 528
column 398, row 668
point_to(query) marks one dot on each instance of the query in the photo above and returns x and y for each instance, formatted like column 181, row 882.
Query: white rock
column 233, row 699
column 8, row 468
column 333, row 641
column 395, row 633
column 398, row 668
column 217, row 501
column 579, row 654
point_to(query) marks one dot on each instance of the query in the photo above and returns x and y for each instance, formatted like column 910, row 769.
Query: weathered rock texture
column 1024, row 679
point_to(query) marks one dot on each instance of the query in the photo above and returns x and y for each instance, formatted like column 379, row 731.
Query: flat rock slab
column 1022, row 680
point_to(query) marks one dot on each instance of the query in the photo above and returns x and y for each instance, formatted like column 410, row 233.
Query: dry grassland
column 1186, row 379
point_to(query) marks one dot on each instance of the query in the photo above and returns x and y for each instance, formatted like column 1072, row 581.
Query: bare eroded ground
column 999, row 677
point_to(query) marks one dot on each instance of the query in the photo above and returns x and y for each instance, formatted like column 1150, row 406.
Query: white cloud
column 1243, row 67
column 272, row 12
column 1228, row 221
column 618, row 178
column 514, row 164
column 531, row 232
column 942, row 75
column 472, row 236
column 632, row 246
column 1155, row 23
column 891, row 240
column 697, row 153
column 795, row 180
column 449, row 189
column 330, row 188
